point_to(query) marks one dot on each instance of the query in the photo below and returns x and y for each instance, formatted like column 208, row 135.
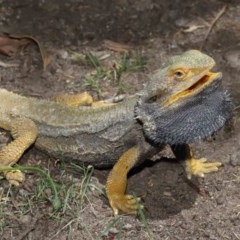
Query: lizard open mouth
column 195, row 88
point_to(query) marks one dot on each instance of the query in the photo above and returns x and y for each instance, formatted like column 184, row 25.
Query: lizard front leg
column 24, row 132
column 117, row 183
column 80, row 99
column 197, row 167
column 74, row 100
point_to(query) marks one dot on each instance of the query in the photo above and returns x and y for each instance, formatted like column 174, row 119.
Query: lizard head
column 189, row 104
column 180, row 77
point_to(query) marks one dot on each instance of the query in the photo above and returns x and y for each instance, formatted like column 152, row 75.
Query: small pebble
column 168, row 194
column 233, row 58
column 220, row 200
column 234, row 159
column 114, row 230
column 127, row 226
column 62, row 54
column 25, row 219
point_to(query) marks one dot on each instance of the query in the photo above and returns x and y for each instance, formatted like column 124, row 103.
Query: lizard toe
column 15, row 177
column 199, row 167
column 126, row 203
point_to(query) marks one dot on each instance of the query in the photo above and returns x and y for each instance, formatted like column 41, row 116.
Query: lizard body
column 104, row 135
column 80, row 134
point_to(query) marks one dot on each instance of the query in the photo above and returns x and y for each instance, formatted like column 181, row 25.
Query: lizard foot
column 199, row 167
column 125, row 203
column 14, row 177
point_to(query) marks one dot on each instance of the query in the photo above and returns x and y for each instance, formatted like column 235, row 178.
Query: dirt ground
column 176, row 208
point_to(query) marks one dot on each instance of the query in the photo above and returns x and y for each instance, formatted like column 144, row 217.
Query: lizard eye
column 179, row 74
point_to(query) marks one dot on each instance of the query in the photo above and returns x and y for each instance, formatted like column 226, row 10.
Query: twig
column 60, row 230
column 6, row 65
column 220, row 13
column 237, row 107
column 236, row 235
column 115, row 99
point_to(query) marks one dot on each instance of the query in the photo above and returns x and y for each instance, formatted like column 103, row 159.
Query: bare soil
column 176, row 208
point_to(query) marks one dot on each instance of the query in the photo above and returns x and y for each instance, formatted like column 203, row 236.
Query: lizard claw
column 125, row 203
column 199, row 167
column 14, row 177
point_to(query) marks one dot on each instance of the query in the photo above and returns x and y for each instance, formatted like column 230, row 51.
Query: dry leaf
column 9, row 46
column 16, row 42
column 117, row 47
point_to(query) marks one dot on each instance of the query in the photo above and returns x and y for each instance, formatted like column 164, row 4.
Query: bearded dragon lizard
column 118, row 134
